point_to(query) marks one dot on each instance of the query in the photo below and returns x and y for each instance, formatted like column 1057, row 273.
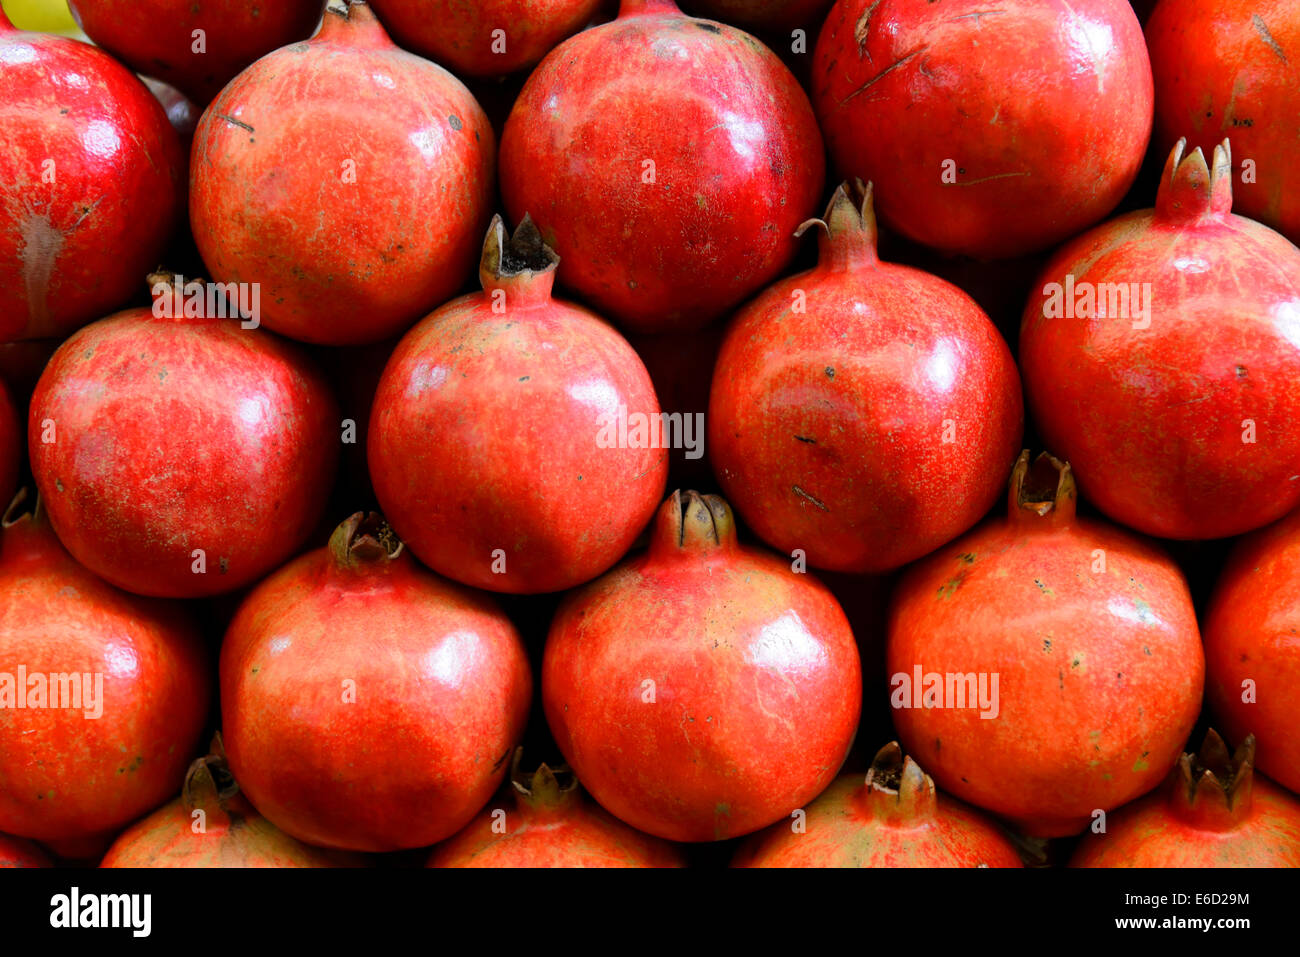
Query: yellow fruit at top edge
column 46, row 16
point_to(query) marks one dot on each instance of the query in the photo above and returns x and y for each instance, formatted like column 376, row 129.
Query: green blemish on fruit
column 946, row 590
column 967, row 557
column 1139, row 765
column 1145, row 615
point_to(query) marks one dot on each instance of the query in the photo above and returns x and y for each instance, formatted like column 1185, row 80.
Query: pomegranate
column 862, row 411
column 213, row 825
column 1161, row 358
column 1252, row 655
column 1044, row 667
column 91, row 184
column 668, row 160
column 179, row 454
column 102, row 694
column 375, row 220
column 763, row 16
column 736, row 706
column 551, row 825
column 970, row 117
column 11, row 445
column 896, row 819
column 15, row 852
column 1214, row 812
column 197, row 48
column 367, row 704
column 546, row 466
column 1229, row 69
column 488, row 37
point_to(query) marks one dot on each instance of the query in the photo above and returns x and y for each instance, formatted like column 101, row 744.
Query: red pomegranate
column 863, row 412
column 1160, row 355
column 1045, row 666
column 487, row 37
column 1252, row 654
column 213, row 825
column 178, row 453
column 1228, row 68
column 375, row 220
column 1214, row 812
column 896, row 819
column 15, row 852
column 367, row 704
column 970, row 116
column 546, row 464
column 130, row 678
column 668, row 160
column 764, row 16
column 11, row 445
column 702, row 690
column 91, row 184
column 551, row 825
column 194, row 47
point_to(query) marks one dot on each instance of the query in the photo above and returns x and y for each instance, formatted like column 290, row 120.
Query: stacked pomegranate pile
column 322, row 546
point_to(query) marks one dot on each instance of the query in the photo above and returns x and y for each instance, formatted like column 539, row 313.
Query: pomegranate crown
column 524, row 253
column 690, row 522
column 364, row 539
column 1190, row 189
column 1042, row 491
column 208, row 782
column 1212, row 787
column 849, row 226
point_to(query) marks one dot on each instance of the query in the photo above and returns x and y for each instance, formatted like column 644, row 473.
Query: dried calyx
column 1213, row 788
column 524, row 253
column 364, row 539
column 1190, row 189
column 209, row 785
column 1043, row 489
column 849, row 232
column 546, row 787
column 896, row 789
column 691, row 522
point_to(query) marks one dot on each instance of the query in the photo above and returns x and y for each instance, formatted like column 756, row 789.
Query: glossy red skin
column 734, row 177
column 237, row 837
column 15, row 852
column 757, row 686
column 1252, row 632
column 1008, row 94
column 176, row 434
column 579, row 833
column 1152, row 420
column 442, row 694
column 66, row 776
column 827, row 428
column 343, row 263
column 516, row 465
column 11, row 446
column 764, row 16
column 1022, row 601
column 74, row 249
column 459, row 33
column 847, row 826
column 156, row 37
column 1153, row 833
column 1218, row 74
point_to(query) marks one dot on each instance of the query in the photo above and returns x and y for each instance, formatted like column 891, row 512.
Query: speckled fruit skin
column 11, row 445
column 764, row 16
column 755, row 684
column 459, row 33
column 1213, row 812
column 550, row 823
column 440, row 688
column 67, row 776
column 896, row 818
column 1185, row 429
column 156, row 37
column 737, row 165
column 864, row 412
column 171, row 434
column 376, row 220
column 15, row 852
column 517, row 493
column 911, row 93
column 1251, row 629
column 1099, row 666
column 233, row 835
column 1230, row 69
column 91, row 184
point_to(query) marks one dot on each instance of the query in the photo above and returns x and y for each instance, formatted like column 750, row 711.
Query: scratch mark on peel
column 883, row 73
column 812, row 498
column 975, row 15
column 41, row 246
column 985, row 179
column 1262, row 29
column 231, row 119
column 862, row 28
